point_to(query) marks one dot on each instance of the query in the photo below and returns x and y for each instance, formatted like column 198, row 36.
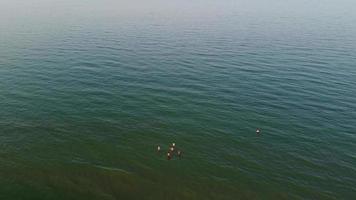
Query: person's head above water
column 179, row 153
column 173, row 144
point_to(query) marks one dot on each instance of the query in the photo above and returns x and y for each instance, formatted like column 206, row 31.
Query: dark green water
column 89, row 88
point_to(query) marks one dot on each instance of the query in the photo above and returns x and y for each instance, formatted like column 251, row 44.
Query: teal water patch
column 86, row 98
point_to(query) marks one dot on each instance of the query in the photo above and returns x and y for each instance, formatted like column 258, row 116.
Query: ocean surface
column 88, row 89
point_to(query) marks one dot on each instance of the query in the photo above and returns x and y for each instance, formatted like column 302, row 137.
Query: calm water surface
column 89, row 88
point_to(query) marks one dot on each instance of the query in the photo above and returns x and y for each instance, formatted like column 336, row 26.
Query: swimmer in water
column 158, row 148
column 258, row 131
column 171, row 148
column 179, row 153
column 169, row 156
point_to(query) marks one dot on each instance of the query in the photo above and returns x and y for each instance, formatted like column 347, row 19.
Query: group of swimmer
column 172, row 150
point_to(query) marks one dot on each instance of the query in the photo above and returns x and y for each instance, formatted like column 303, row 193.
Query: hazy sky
column 82, row 7
column 69, row 12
